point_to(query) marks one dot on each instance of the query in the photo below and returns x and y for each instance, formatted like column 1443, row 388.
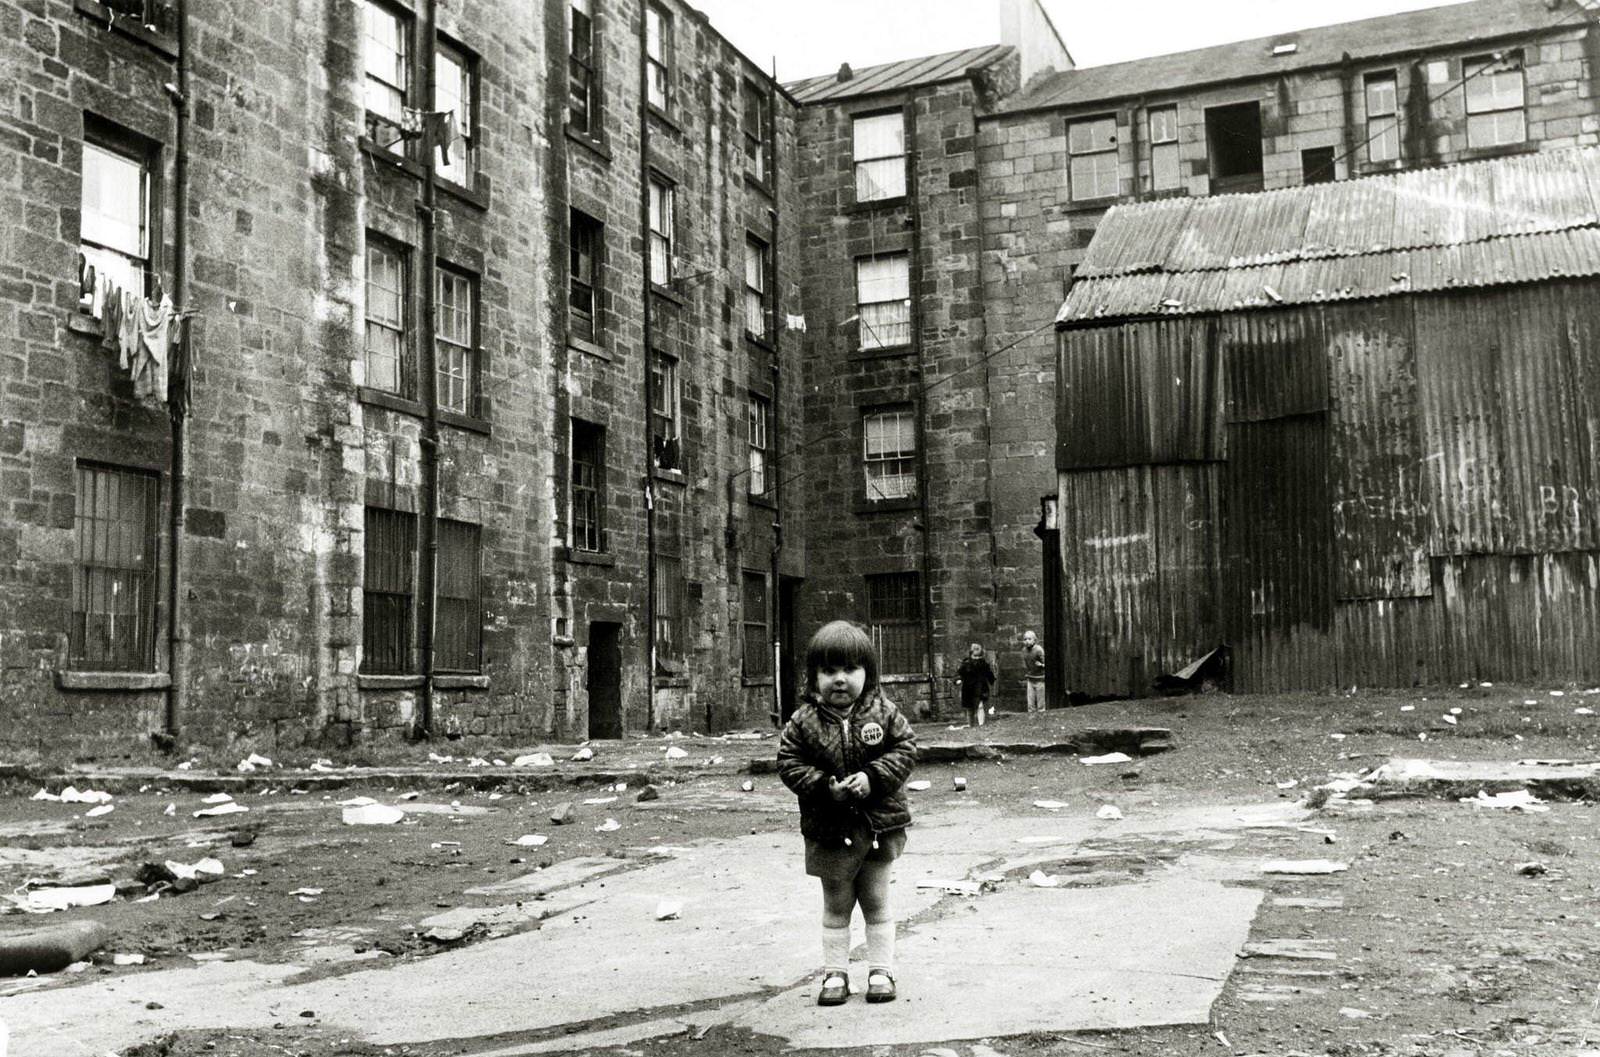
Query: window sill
column 664, row 117
column 760, row 341
column 389, row 682
column 81, row 322
column 595, row 146
column 391, row 401
column 1503, row 151
column 166, row 45
column 1096, row 205
column 902, row 680
column 461, row 681
column 80, row 680
column 756, row 183
column 470, row 423
column 672, row 682
column 761, row 499
column 671, row 476
column 886, row 506
column 666, row 294
column 887, row 352
column 476, row 196
column 874, row 205
column 601, row 558
column 589, row 348
column 377, row 151
column 755, row 680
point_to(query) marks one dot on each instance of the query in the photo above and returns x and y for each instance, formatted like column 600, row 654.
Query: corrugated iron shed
column 1452, row 26
column 1508, row 220
column 896, row 76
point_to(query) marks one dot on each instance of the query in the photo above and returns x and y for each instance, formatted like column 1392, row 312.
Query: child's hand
column 859, row 785
column 840, row 789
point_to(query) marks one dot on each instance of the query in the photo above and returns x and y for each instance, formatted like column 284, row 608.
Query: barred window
column 388, row 591
column 1092, row 147
column 757, row 650
column 883, row 300
column 586, row 485
column 878, row 147
column 386, row 366
column 455, row 344
column 583, row 298
column 114, row 573
column 458, row 639
column 757, row 287
column 894, row 618
column 670, row 617
column 582, row 80
column 1495, row 115
column 1164, row 172
column 758, row 438
column 889, row 453
column 1383, row 120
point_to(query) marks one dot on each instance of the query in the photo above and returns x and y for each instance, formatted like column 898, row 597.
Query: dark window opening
column 1316, row 165
column 894, row 618
column 1233, row 145
column 388, row 592
column 587, row 486
column 585, row 241
column 114, row 574
column 757, row 654
column 458, row 645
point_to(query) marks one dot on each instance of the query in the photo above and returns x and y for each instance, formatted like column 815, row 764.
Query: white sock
column 835, row 948
column 880, row 945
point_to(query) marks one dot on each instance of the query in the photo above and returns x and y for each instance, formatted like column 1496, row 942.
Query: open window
column 1233, row 146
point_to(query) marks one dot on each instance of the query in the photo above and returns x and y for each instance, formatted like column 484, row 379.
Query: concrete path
column 745, row 948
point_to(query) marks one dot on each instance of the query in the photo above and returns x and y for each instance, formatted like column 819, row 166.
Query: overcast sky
column 812, row 37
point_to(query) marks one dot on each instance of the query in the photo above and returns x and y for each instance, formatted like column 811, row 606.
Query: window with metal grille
column 757, row 288
column 1092, row 148
column 1164, row 173
column 660, row 232
column 587, row 487
column 878, row 148
column 658, row 61
column 114, row 573
column 455, row 344
column 583, row 299
column 386, row 353
column 1494, row 86
column 384, row 57
column 894, row 620
column 883, row 300
column 1383, row 117
column 113, row 222
column 757, row 650
column 458, row 629
column 758, row 438
column 671, row 632
column 757, row 130
column 583, row 84
column 665, row 405
column 454, row 75
column 889, row 452
column 388, row 591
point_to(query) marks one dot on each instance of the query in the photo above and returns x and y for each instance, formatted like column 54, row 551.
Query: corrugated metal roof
column 1518, row 219
column 896, row 76
column 1451, row 26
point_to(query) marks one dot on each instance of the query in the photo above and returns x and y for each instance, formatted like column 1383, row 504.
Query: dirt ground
column 1440, row 939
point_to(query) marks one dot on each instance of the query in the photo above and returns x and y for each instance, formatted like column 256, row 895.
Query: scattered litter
column 1304, row 866
column 408, row 796
column 127, row 959
column 216, row 798
column 172, row 809
column 440, row 845
column 1344, row 783
column 1531, row 869
column 45, row 900
column 747, row 786
column 583, row 754
column 675, row 753
column 608, row 826
column 357, row 801
column 1515, row 800
column 1583, row 711
column 1338, row 737
column 1108, row 811
column 1351, row 1012
column 434, row 757
column 306, row 895
column 1457, row 711
column 229, row 808
column 1050, row 805
column 529, row 840
column 600, row 800
column 477, row 761
column 372, row 815
column 1408, row 708
column 1558, row 693
column 1529, row 701
column 620, row 787
column 1040, row 879
column 919, row 785
column 208, row 866
column 103, row 809
column 1449, row 719
column 187, row 764
column 958, row 888
column 958, row 783
column 321, row 765
column 534, row 759
column 72, row 795
column 668, row 910
column 1110, row 757
column 253, row 762
column 444, row 934
column 1289, row 783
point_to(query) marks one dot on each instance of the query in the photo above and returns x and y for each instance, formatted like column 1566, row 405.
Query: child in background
column 977, row 676
column 846, row 753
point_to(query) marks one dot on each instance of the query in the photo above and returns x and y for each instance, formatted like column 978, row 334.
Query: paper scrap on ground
column 600, row 800
column 252, row 762
column 229, row 808
column 529, row 840
column 357, row 801
column 1050, row 805
column 1040, row 879
column 668, row 909
column 534, row 759
column 960, row 888
column 675, row 753
column 1110, row 757
column 1304, row 866
column 372, row 815
column 45, row 900
column 208, row 866
column 73, row 795
column 127, row 959
column 919, row 785
column 1515, row 800
column 216, row 798
column 608, row 826
column 583, row 754
column 102, row 809
column 1108, row 811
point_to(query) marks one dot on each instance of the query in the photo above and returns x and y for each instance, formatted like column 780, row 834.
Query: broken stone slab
column 49, row 948
column 1452, row 779
column 1300, row 950
column 561, row 814
column 564, row 874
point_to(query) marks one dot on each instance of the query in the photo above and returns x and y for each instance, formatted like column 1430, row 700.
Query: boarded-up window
column 114, row 574
column 388, row 593
column 894, row 619
column 458, row 639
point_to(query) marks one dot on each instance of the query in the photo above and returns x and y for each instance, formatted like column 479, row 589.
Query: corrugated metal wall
column 1384, row 493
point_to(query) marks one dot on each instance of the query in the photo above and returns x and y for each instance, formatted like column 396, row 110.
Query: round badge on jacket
column 872, row 733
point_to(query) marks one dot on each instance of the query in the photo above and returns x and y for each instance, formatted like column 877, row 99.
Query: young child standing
column 846, row 753
column 977, row 676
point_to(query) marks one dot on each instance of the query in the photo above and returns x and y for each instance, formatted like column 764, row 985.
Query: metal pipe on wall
column 177, row 580
column 648, row 362
column 427, row 588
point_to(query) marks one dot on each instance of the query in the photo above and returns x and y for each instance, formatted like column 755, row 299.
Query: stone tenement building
column 1007, row 158
column 482, row 304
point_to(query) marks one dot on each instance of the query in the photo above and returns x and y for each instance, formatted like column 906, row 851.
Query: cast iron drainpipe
column 649, row 382
column 774, row 591
column 177, row 581
column 428, row 574
column 914, row 211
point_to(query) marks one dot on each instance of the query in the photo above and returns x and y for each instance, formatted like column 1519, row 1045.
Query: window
column 585, row 238
column 386, row 359
column 455, row 349
column 588, row 482
column 582, row 83
column 1383, row 121
column 1164, row 149
column 658, row 48
column 757, row 131
column 757, row 287
column 388, row 575
column 883, row 300
column 671, row 633
column 1233, row 140
column 889, row 452
column 894, row 616
column 384, row 56
column 660, row 232
column 1092, row 147
column 114, row 225
column 114, row 572
column 1494, row 100
column 880, row 155
column 1316, row 165
column 665, row 401
column 452, row 93
column 458, row 640
column 757, row 651
column 757, row 436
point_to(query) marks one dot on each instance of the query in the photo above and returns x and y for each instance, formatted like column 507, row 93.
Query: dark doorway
column 1316, row 165
column 788, row 663
column 604, row 680
column 1233, row 145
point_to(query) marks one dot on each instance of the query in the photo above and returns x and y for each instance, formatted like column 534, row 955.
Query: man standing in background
column 1033, row 671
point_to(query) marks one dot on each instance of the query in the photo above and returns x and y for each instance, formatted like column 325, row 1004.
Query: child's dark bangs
column 839, row 647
